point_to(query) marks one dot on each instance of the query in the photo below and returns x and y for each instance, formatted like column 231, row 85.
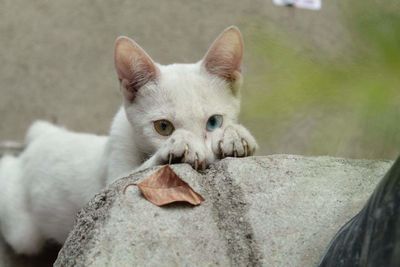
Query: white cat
column 174, row 113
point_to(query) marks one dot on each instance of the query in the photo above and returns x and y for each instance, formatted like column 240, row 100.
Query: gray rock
column 273, row 211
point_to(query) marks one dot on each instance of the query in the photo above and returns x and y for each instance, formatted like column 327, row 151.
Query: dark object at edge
column 372, row 237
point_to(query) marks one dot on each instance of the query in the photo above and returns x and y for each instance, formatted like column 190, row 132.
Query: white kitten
column 179, row 113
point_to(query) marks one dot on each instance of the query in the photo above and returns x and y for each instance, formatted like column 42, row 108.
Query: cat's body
column 47, row 184
column 180, row 112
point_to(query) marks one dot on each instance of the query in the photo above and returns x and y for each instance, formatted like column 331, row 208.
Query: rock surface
column 276, row 210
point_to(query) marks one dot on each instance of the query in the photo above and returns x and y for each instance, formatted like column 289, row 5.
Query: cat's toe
column 184, row 148
column 196, row 157
column 235, row 141
column 174, row 154
column 249, row 143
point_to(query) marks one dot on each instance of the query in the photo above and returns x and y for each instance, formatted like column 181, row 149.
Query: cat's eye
column 164, row 127
column 214, row 122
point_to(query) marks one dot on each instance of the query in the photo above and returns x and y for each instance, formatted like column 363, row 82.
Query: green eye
column 164, row 127
column 214, row 122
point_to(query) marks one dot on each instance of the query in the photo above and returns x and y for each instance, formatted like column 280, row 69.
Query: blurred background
column 321, row 82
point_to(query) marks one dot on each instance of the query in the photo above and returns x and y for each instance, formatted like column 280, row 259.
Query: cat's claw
column 196, row 162
column 170, row 158
column 235, row 153
column 220, row 149
column 183, row 147
column 186, row 151
column 184, row 155
column 234, row 141
column 245, row 147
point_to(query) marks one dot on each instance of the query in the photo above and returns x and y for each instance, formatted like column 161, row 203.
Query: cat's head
column 199, row 97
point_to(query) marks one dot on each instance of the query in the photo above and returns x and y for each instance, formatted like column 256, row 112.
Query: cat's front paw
column 184, row 147
column 234, row 141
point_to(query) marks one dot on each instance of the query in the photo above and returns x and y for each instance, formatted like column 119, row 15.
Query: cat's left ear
column 224, row 57
column 134, row 67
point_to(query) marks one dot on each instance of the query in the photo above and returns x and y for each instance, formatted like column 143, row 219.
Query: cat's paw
column 234, row 141
column 184, row 147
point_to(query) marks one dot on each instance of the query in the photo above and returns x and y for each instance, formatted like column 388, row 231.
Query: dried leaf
column 164, row 187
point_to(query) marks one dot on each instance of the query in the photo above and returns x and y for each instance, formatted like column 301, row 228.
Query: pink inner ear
column 137, row 79
column 224, row 57
column 134, row 67
column 225, row 67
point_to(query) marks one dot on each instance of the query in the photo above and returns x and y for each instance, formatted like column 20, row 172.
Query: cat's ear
column 134, row 66
column 224, row 57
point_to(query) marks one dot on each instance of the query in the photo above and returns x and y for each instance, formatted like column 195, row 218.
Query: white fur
column 60, row 170
column 47, row 184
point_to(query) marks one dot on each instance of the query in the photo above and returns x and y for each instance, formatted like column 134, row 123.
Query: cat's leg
column 233, row 141
column 21, row 234
column 17, row 226
column 183, row 146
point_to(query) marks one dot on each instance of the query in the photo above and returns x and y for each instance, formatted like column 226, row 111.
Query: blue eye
column 214, row 122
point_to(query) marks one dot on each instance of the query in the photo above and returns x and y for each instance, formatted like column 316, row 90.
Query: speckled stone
column 279, row 210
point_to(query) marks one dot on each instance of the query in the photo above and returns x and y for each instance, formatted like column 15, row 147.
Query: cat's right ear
column 134, row 67
column 224, row 57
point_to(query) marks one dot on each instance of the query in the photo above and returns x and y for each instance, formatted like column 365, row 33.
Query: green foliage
column 301, row 101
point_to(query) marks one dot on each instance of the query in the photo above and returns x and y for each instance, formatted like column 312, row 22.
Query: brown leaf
column 164, row 187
